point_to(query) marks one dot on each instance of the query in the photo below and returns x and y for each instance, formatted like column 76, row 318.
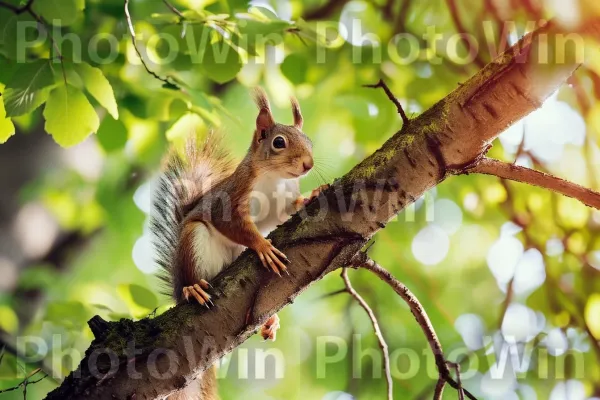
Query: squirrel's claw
column 269, row 330
column 271, row 258
column 197, row 292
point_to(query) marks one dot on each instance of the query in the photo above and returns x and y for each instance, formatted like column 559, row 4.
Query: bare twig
column 17, row 10
column 173, row 9
column 26, row 382
column 382, row 344
column 393, row 99
column 137, row 50
column 361, row 260
column 517, row 173
column 439, row 388
column 456, row 367
column 331, row 294
column 27, row 8
column 8, row 346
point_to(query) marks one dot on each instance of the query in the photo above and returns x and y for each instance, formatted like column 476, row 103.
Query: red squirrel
column 204, row 215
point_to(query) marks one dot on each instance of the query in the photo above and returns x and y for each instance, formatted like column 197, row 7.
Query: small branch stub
column 393, row 99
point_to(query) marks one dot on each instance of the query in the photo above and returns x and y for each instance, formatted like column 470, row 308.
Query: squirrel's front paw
column 197, row 291
column 302, row 201
column 316, row 192
column 269, row 330
column 271, row 258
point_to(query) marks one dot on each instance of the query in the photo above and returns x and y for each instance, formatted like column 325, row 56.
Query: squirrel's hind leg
column 269, row 330
column 198, row 292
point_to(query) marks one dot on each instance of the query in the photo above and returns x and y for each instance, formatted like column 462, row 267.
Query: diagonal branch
column 517, row 173
column 361, row 260
column 450, row 136
column 174, row 9
column 382, row 344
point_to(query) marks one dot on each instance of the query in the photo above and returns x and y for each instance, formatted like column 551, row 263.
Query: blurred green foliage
column 95, row 90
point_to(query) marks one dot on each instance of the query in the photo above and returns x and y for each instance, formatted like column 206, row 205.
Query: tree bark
column 447, row 139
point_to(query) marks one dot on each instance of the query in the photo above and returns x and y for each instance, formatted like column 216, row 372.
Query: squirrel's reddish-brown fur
column 196, row 192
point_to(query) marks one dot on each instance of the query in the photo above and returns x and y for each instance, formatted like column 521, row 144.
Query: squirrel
column 204, row 214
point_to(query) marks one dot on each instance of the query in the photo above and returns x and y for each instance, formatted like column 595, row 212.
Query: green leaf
column 67, row 313
column 7, row 128
column 221, row 62
column 140, row 295
column 58, row 12
column 295, row 68
column 261, row 32
column 112, row 134
column 96, row 83
column 28, row 88
column 70, row 117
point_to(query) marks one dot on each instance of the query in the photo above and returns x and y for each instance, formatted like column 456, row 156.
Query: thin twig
column 456, row 367
column 517, row 173
column 393, row 99
column 17, row 10
column 361, row 260
column 174, row 9
column 382, row 344
column 137, row 50
column 439, row 388
column 26, row 382
column 331, row 294
column 27, row 8
column 8, row 346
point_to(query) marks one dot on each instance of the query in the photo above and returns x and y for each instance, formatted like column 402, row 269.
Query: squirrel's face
column 282, row 150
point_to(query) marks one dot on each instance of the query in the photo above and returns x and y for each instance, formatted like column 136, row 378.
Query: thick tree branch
column 517, row 173
column 448, row 138
column 382, row 344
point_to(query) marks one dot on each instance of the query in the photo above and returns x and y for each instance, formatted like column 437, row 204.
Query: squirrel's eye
column 279, row 142
column 263, row 134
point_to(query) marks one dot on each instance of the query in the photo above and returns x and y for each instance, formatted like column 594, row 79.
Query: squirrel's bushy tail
column 183, row 181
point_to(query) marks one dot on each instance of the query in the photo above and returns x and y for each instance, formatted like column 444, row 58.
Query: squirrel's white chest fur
column 270, row 205
column 271, row 202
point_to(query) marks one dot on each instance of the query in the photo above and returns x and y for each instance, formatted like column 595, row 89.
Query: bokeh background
column 505, row 271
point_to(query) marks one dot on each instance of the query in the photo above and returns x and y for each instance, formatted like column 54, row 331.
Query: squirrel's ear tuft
column 265, row 118
column 261, row 99
column 298, row 121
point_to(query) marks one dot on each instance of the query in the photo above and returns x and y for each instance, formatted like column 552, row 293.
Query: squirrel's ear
column 297, row 113
column 265, row 118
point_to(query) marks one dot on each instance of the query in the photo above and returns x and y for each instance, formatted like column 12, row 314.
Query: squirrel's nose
column 307, row 164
